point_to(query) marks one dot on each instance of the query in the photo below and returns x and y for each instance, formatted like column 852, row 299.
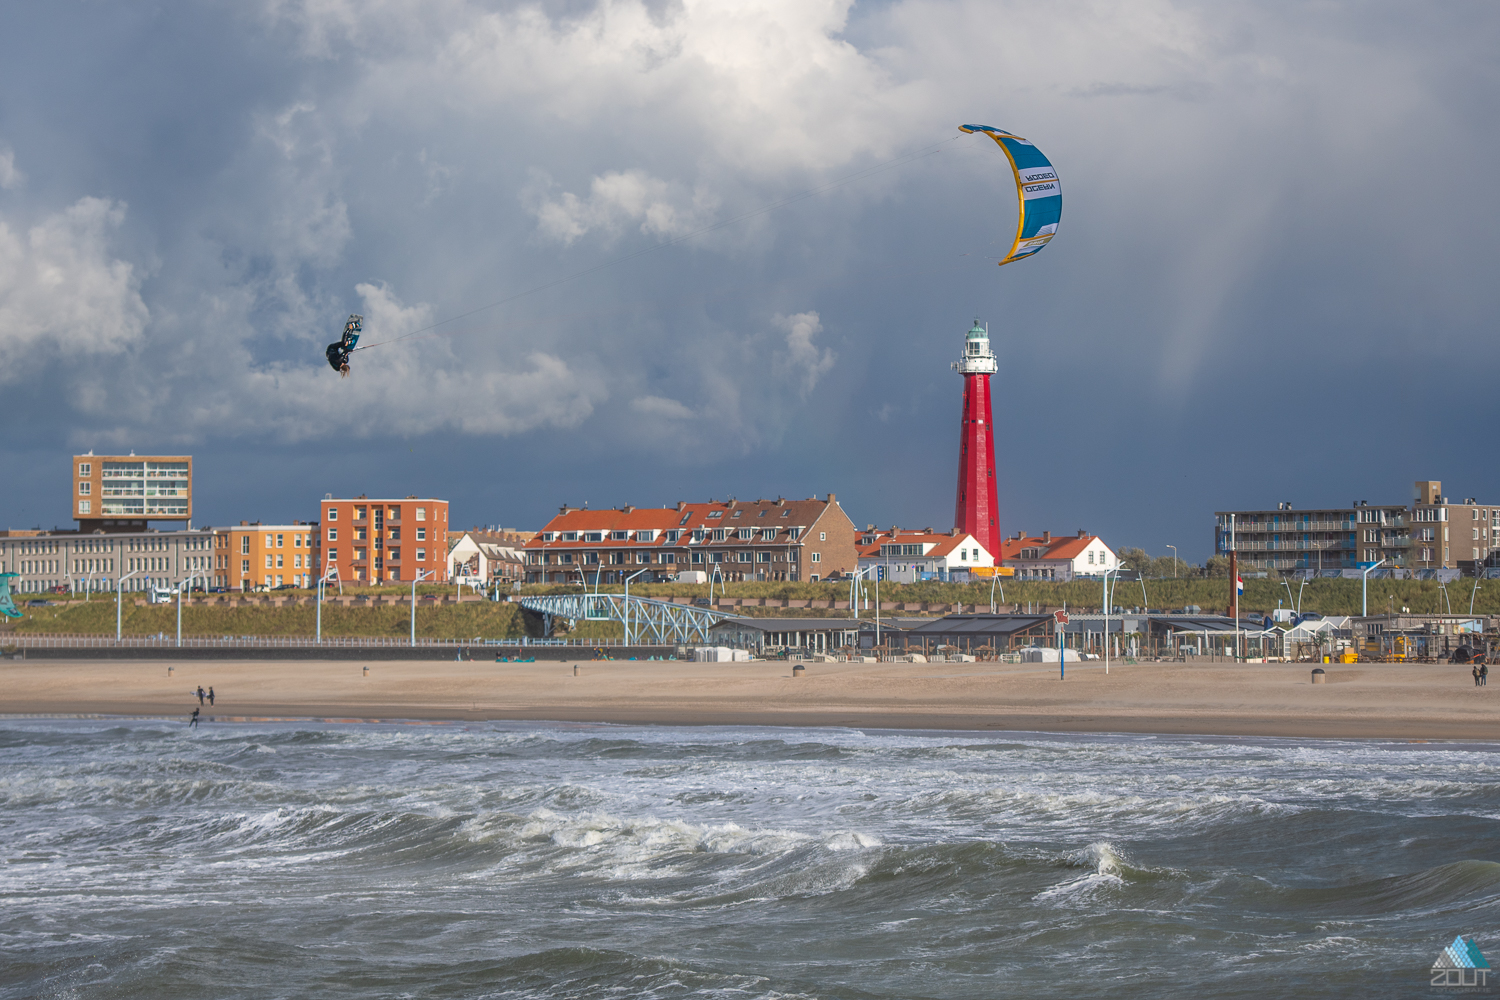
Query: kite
column 1037, row 186
column 8, row 606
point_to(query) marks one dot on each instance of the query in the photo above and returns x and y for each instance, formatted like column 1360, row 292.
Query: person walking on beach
column 1475, row 672
column 210, row 696
column 200, row 693
column 193, row 722
column 1484, row 674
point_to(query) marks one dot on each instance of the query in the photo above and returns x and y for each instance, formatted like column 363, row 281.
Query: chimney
column 832, row 497
column 244, row 524
column 1047, row 537
column 869, row 527
column 1082, row 533
column 780, row 502
column 953, row 532
column 628, row 508
column 682, row 505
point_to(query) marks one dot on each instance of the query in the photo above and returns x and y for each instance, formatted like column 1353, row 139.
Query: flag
column 1239, row 586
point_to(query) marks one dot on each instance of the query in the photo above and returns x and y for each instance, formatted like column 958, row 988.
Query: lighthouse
column 976, row 511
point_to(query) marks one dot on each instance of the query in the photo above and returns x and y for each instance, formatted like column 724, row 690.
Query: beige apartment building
column 734, row 540
column 118, row 493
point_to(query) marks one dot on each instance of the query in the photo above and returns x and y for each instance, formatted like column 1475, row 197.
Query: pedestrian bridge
column 645, row 620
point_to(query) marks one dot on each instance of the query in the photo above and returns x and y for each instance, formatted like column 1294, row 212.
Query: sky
column 1275, row 278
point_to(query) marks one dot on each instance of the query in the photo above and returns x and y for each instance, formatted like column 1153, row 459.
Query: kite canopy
column 1037, row 187
column 7, row 606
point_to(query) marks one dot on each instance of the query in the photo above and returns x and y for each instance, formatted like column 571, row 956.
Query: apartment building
column 120, row 493
column 252, row 555
column 98, row 560
column 1431, row 533
column 373, row 541
column 733, row 540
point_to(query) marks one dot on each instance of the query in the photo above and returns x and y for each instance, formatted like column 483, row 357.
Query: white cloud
column 660, row 406
column 10, row 175
column 622, row 197
column 803, row 363
column 61, row 292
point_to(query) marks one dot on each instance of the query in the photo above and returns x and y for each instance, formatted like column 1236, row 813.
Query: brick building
column 385, row 541
column 736, row 540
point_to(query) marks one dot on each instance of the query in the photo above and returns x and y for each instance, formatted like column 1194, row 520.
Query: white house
column 1062, row 558
column 478, row 562
column 909, row 556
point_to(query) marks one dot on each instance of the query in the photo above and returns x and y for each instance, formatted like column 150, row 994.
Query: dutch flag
column 1239, row 586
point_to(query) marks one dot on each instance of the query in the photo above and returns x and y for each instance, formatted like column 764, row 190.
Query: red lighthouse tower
column 977, row 510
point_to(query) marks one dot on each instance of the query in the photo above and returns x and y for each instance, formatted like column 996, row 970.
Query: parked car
column 286, row 586
column 702, row 602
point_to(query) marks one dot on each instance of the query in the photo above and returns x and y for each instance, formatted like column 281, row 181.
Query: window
column 359, row 513
column 786, row 513
column 795, row 533
column 642, row 557
column 822, row 536
column 244, row 567
column 333, row 513
column 817, row 557
column 593, row 536
column 697, row 557
column 567, row 536
column 719, row 534
column 1091, row 557
column 268, row 560
column 763, row 557
column 333, row 534
column 85, row 489
column 716, row 513
column 85, row 506
column 645, row 536
column 566, row 558
column 685, row 518
column 85, row 469
column 743, row 556
column 745, row 534
column 672, row 536
column 358, row 553
column 1476, row 534
column 669, row 557
column 963, row 555
column 699, row 534
column 768, row 534
column 296, row 562
column 421, row 513
column 279, row 539
column 718, row 557
column 1475, row 554
column 738, row 513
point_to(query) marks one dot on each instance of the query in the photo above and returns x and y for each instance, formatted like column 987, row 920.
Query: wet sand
column 1359, row 700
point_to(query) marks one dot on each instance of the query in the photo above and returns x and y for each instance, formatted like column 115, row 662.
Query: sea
column 536, row 860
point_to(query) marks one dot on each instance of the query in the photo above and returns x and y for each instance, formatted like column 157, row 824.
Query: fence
column 35, row 641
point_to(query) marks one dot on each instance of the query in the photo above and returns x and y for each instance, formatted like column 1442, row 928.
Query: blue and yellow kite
column 1037, row 186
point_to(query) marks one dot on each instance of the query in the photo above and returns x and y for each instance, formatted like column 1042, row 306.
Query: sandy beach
column 1373, row 701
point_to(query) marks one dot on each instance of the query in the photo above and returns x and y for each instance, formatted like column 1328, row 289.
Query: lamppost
column 625, row 614
column 414, row 581
column 1364, row 590
column 1174, row 560
column 119, row 591
column 322, row 591
column 186, row 581
column 1116, row 572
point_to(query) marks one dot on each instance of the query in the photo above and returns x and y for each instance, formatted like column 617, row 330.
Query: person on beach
column 1484, row 674
column 210, row 696
column 1475, row 672
column 193, row 722
column 200, row 694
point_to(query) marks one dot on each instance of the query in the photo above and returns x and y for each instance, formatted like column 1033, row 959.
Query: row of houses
column 784, row 540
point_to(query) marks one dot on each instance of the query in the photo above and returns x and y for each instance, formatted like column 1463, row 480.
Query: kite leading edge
column 1037, row 187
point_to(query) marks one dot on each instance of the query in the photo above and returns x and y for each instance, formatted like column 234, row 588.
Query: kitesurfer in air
column 338, row 353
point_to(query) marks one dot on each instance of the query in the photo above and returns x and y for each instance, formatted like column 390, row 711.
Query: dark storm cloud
column 1272, row 280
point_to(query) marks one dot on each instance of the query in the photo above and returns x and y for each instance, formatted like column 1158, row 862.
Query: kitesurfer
column 338, row 353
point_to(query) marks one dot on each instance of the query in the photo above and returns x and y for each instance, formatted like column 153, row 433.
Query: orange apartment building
column 263, row 556
column 385, row 541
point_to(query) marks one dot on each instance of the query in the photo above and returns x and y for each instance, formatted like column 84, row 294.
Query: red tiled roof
column 942, row 543
column 1067, row 547
column 755, row 514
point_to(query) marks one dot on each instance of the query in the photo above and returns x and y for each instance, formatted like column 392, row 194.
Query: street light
column 414, row 581
column 1364, row 590
column 119, row 590
column 1116, row 572
column 626, row 613
column 321, row 594
column 1174, row 560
